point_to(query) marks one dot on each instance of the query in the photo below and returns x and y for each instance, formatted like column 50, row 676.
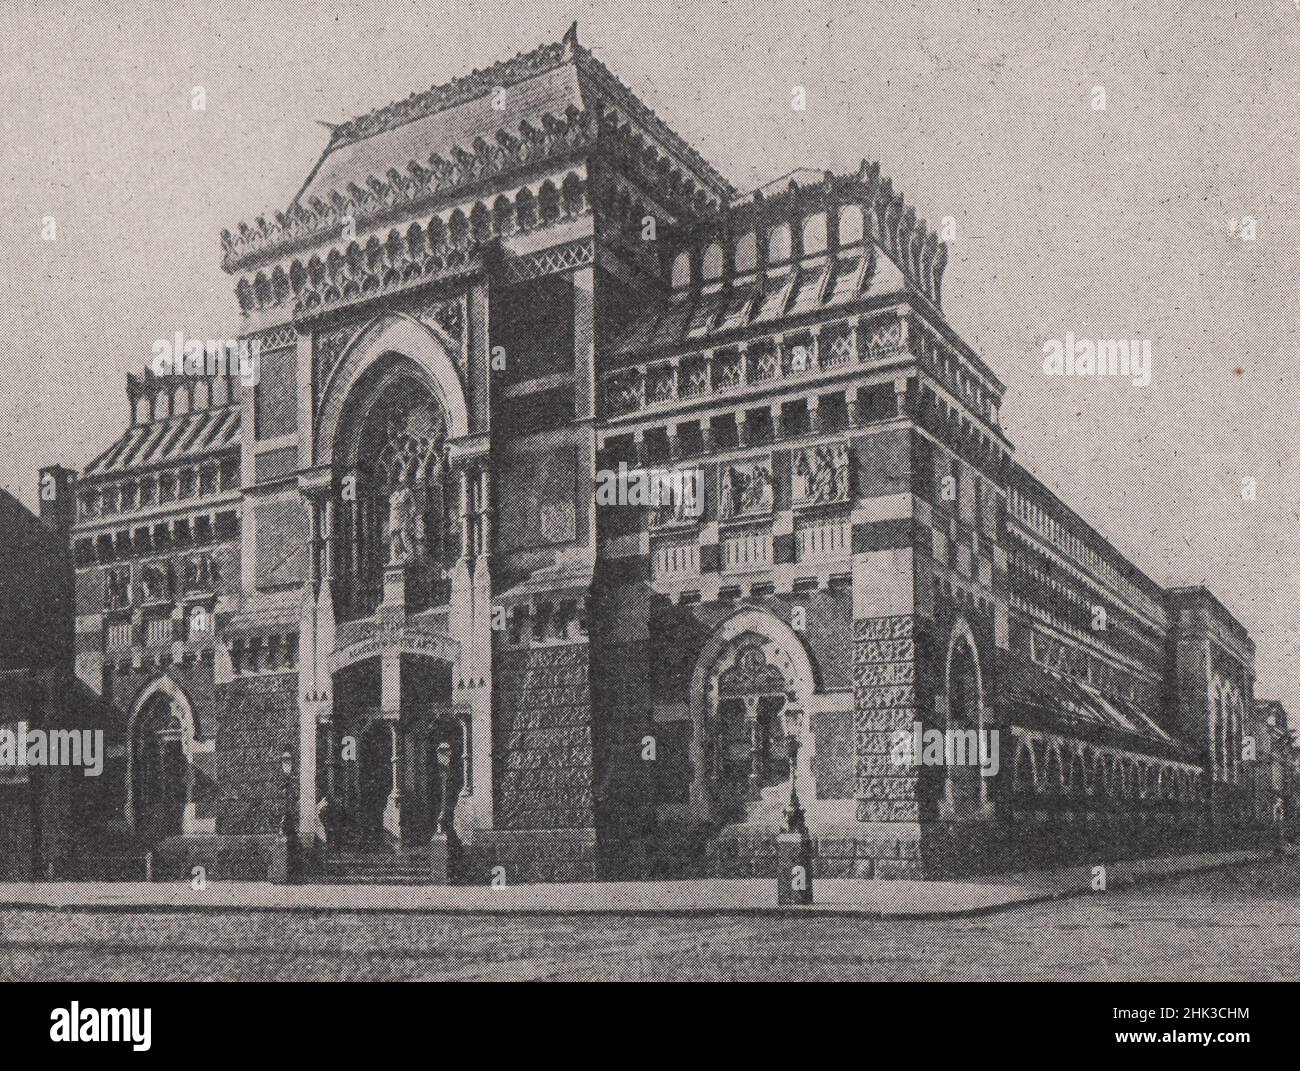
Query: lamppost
column 792, row 717
column 285, row 855
column 444, row 848
column 289, row 819
column 794, row 879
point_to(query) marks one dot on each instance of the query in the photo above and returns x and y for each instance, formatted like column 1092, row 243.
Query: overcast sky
column 1110, row 224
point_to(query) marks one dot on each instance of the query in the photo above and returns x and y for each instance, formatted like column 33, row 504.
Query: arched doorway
column 746, row 739
column 753, row 675
column 162, row 779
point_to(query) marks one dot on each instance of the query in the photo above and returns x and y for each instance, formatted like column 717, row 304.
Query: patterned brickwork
column 259, row 721
column 544, row 759
column 885, row 701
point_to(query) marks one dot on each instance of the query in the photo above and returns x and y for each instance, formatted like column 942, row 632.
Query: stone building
column 46, row 811
column 485, row 303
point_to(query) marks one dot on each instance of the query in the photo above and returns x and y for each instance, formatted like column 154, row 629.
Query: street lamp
column 792, row 717
column 289, row 819
column 285, row 861
column 794, row 855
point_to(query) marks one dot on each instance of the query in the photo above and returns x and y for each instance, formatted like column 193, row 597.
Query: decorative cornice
column 302, row 225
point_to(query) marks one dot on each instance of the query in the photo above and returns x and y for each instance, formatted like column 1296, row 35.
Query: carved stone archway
column 756, row 664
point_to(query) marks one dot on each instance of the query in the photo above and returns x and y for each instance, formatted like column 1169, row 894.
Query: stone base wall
column 750, row 852
column 542, row 739
column 1041, row 840
column 234, row 858
column 535, row 855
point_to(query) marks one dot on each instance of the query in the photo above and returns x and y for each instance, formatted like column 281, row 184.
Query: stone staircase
column 375, row 868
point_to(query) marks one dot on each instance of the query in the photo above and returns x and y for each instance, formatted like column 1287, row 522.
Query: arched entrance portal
column 752, row 683
column 381, row 776
column 161, row 777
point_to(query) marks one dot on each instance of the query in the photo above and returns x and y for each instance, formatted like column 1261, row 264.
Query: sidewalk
column 873, row 899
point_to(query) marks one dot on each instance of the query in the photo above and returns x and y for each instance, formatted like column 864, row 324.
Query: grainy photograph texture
column 768, row 491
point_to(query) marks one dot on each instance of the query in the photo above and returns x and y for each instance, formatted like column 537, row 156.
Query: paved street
column 1242, row 923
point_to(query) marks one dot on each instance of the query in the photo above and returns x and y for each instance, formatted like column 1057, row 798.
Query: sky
column 1128, row 222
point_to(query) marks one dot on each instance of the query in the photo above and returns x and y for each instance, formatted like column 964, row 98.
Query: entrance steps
column 376, row 868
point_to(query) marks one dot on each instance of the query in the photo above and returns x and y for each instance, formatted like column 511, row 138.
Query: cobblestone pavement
column 1242, row 923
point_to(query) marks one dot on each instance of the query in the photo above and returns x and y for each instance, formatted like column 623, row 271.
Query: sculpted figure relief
column 821, row 474
column 746, row 488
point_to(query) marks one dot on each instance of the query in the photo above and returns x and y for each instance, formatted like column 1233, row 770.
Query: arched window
column 180, row 402
column 142, row 410
column 682, row 270
column 850, row 225
column 814, row 233
column 964, row 789
column 712, row 265
column 162, row 406
column 201, row 397
column 778, row 244
column 746, row 253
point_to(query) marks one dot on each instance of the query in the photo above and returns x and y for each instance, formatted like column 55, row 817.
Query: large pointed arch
column 401, row 335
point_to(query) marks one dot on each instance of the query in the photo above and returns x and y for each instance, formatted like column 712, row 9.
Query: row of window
column 1052, row 531
column 777, row 246
column 166, row 535
column 159, row 488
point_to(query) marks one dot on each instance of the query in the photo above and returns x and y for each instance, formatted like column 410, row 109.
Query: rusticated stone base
column 223, row 858
column 529, row 856
column 751, row 852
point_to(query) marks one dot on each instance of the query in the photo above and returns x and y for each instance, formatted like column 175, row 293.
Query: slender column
column 328, row 537
column 485, row 513
column 755, row 749
column 465, row 547
column 354, row 523
column 311, row 541
column 466, row 758
column 393, row 808
column 331, row 758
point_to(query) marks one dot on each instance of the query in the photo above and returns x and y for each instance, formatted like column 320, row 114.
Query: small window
column 850, row 225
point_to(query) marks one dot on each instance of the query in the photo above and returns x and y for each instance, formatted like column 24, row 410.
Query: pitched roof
column 547, row 79
column 1035, row 695
column 819, row 284
column 176, row 438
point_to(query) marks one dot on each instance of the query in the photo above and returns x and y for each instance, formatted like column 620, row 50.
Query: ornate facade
column 389, row 548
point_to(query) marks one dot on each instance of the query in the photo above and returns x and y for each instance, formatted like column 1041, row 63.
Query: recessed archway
column 750, row 674
column 161, row 735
